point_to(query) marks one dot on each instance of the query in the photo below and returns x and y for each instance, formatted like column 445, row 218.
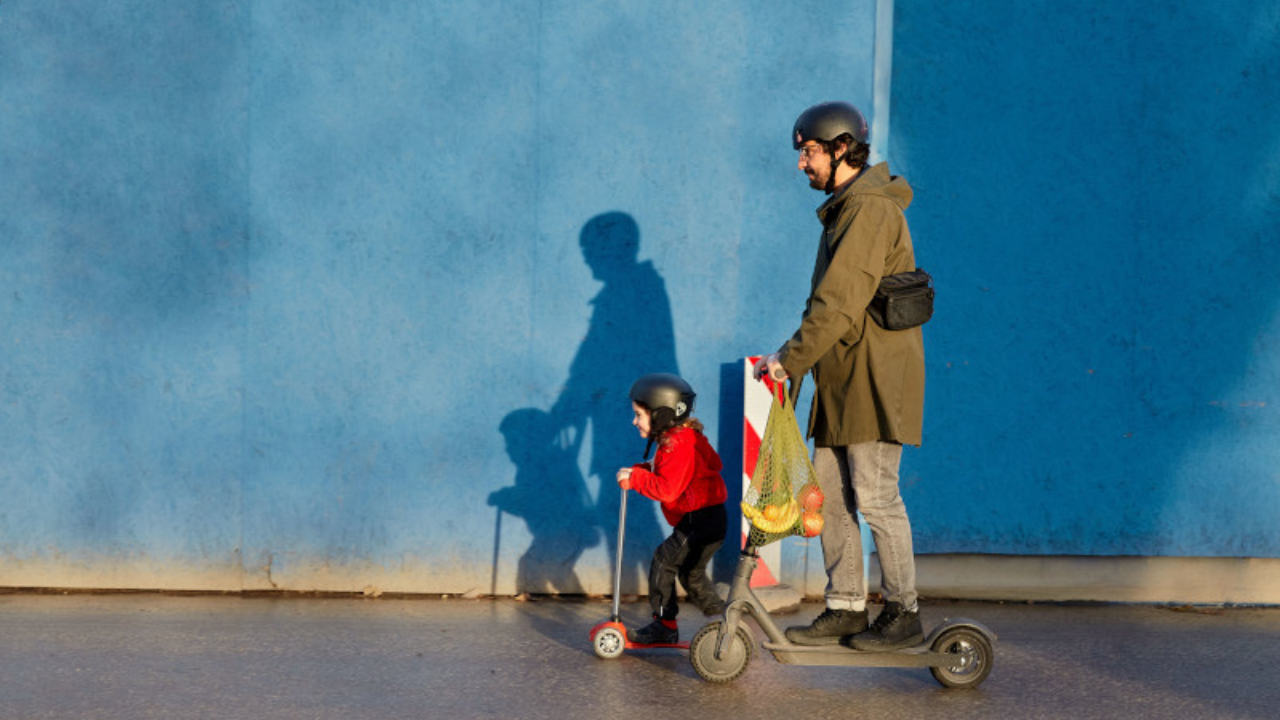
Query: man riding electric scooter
column 869, row 395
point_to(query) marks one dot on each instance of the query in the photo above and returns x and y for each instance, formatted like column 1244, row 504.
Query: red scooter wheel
column 608, row 640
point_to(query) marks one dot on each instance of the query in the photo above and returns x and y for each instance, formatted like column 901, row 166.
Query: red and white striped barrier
column 756, row 403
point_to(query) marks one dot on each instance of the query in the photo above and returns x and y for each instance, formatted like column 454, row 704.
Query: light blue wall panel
column 123, row 228
column 298, row 287
column 473, row 226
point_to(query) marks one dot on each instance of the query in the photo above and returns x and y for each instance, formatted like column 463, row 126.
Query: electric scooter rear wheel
column 609, row 643
column 974, row 657
column 732, row 663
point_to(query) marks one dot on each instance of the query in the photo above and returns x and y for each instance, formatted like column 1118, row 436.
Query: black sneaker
column 893, row 628
column 829, row 627
column 655, row 633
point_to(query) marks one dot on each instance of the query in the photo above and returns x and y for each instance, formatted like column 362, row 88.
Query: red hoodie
column 685, row 475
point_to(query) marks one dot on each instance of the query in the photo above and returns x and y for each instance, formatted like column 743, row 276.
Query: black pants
column 685, row 555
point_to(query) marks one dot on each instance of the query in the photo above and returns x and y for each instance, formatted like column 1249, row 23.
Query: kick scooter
column 959, row 652
column 609, row 638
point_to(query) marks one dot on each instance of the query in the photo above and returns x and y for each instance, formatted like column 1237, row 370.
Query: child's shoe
column 658, row 632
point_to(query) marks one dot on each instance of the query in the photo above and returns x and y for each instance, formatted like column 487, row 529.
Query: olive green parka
column 869, row 381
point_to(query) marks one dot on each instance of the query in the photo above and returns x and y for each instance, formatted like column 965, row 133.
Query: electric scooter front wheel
column 731, row 663
column 973, row 653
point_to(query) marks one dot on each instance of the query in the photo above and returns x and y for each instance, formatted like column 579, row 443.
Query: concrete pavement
column 228, row 657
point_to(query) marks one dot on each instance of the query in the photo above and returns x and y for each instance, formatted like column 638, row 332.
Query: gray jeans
column 864, row 478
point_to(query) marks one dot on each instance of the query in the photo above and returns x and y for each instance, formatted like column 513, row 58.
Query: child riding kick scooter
column 684, row 476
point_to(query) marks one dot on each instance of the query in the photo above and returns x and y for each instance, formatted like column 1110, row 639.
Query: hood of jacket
column 873, row 180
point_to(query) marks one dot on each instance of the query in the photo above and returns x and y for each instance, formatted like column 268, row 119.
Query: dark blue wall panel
column 1096, row 191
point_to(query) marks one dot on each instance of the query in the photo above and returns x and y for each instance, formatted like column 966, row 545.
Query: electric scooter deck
column 959, row 652
column 919, row 655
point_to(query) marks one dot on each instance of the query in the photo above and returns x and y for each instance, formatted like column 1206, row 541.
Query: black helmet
column 669, row 399
column 825, row 122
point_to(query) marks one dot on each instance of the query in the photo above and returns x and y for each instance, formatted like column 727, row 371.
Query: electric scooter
column 609, row 638
column 959, row 652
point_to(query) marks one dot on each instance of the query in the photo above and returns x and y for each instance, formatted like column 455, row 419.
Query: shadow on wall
column 630, row 334
column 549, row 493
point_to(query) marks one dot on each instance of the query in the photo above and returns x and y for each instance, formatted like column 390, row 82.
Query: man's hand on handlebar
column 769, row 363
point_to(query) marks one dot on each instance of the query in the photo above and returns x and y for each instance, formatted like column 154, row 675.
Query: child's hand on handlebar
column 624, row 478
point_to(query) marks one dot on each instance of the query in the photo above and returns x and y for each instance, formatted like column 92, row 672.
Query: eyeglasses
column 808, row 152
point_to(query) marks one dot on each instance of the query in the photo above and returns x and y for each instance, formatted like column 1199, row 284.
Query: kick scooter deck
column 609, row 640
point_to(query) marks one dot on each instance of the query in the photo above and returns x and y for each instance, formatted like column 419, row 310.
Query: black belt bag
column 903, row 301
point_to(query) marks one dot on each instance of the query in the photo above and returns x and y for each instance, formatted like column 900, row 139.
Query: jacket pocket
column 857, row 328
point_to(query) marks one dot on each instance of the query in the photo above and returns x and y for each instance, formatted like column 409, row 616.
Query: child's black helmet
column 825, row 122
column 668, row 397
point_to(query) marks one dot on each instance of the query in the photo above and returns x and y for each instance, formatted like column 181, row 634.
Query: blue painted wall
column 331, row 295
column 1097, row 191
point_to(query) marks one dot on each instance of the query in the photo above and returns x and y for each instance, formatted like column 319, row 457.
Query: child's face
column 641, row 420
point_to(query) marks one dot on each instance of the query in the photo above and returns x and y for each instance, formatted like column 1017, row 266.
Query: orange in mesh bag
column 783, row 498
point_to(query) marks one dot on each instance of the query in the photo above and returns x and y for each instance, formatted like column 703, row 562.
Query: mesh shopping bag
column 783, row 498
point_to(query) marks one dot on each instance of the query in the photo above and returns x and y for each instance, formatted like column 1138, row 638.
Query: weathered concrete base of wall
column 265, row 577
column 80, row 574
column 1231, row 581
column 1198, row 581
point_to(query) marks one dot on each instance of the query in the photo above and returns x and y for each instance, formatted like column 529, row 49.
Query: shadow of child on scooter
column 549, row 493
